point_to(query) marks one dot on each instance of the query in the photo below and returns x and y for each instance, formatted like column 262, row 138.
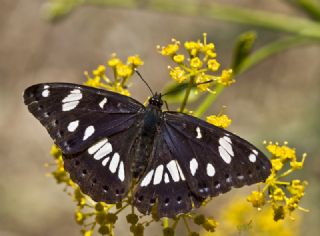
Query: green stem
column 274, row 21
column 186, row 95
column 211, row 97
column 311, row 7
column 250, row 61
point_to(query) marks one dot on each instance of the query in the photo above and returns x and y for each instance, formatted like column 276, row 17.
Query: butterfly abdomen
column 144, row 142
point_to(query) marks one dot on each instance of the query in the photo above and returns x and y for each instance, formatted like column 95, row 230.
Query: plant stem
column 263, row 19
column 186, row 95
column 211, row 97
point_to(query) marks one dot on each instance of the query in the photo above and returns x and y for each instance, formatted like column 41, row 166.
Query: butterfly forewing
column 77, row 116
column 213, row 159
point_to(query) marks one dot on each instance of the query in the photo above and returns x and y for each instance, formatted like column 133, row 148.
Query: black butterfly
column 110, row 141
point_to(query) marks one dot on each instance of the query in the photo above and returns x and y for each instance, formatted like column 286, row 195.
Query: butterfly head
column 156, row 100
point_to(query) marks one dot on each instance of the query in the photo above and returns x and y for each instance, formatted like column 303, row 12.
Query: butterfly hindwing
column 163, row 185
column 213, row 159
column 103, row 170
column 77, row 116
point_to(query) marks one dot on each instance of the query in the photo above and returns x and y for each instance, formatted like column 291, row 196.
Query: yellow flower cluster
column 200, row 65
column 239, row 218
column 283, row 196
column 222, row 121
column 121, row 73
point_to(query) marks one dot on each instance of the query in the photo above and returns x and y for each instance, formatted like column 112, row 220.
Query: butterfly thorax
column 148, row 130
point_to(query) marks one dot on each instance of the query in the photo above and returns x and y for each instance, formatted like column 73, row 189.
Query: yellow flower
column 210, row 224
column 196, row 63
column 284, row 152
column 190, row 45
column 123, row 70
column 292, row 203
column 222, row 121
column 170, row 49
column 88, row 233
column 213, row 64
column 178, row 74
column 257, row 199
column 100, row 71
column 297, row 165
column 135, row 61
column 201, row 79
column 178, row 58
column 119, row 89
column 226, row 78
column 114, row 61
column 277, row 164
column 93, row 82
column 297, row 188
column 79, row 217
column 278, row 195
column 55, row 151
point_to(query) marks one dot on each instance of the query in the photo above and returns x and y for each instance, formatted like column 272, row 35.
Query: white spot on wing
column 74, row 95
column 226, row 145
column 199, row 135
column 210, row 170
column 105, row 161
column 252, row 157
column 103, row 151
column 45, row 93
column 73, row 125
column 180, row 171
column 173, row 170
column 227, row 139
column 255, row 152
column 114, row 162
column 88, row 132
column 72, row 100
column 46, row 87
column 158, row 175
column 103, row 102
column 94, row 148
column 193, row 166
column 166, row 178
column 147, row 179
column 224, row 155
column 69, row 105
column 121, row 172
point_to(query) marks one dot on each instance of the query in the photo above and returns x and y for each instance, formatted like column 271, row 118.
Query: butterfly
column 113, row 145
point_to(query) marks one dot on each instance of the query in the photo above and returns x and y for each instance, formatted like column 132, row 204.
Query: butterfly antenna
column 138, row 73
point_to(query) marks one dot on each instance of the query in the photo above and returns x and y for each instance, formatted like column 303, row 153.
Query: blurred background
column 278, row 99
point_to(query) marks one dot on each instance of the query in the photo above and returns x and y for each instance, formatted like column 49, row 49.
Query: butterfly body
column 110, row 141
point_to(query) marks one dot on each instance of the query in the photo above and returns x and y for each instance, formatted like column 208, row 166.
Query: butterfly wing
column 77, row 116
column 192, row 160
column 96, row 131
column 213, row 159
column 164, row 185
